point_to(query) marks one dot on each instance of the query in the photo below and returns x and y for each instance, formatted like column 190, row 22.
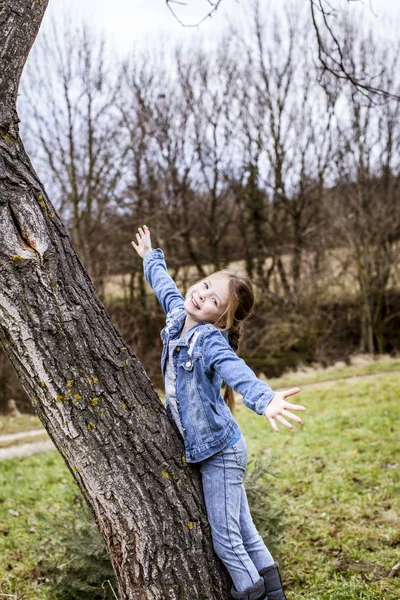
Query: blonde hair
column 240, row 305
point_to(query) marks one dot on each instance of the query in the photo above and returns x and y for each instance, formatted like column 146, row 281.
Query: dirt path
column 26, row 449
column 7, row 439
column 347, row 378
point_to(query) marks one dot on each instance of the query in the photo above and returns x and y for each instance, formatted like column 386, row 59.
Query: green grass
column 22, row 423
column 338, row 480
column 320, row 375
column 41, row 490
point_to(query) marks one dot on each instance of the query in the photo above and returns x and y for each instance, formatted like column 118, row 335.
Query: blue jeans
column 235, row 538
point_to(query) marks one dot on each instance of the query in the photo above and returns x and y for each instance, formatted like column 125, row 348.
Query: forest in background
column 239, row 152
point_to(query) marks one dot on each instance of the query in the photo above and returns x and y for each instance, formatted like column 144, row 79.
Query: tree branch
column 337, row 66
column 213, row 4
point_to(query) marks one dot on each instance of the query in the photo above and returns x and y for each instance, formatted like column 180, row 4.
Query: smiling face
column 208, row 299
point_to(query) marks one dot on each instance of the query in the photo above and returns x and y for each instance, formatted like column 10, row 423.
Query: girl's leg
column 222, row 478
column 253, row 542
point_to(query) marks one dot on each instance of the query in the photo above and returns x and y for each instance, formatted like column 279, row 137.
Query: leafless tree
column 207, row 85
column 366, row 198
column 286, row 121
column 69, row 96
column 168, row 124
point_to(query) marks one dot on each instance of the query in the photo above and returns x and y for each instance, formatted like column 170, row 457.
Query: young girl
column 200, row 338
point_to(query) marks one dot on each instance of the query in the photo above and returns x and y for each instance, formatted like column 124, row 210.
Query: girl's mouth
column 195, row 303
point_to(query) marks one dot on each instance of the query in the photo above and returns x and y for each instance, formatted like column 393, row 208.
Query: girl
column 200, row 338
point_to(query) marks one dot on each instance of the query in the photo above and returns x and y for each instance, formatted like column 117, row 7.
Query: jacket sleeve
column 155, row 271
column 220, row 357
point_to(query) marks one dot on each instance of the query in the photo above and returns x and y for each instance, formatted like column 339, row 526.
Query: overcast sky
column 126, row 22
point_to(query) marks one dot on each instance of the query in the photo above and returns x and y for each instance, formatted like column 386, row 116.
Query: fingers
column 291, row 392
column 279, row 412
column 284, row 422
column 289, row 415
column 141, row 235
column 273, row 424
column 294, row 406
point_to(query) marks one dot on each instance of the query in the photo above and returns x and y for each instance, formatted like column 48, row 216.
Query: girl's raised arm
column 155, row 271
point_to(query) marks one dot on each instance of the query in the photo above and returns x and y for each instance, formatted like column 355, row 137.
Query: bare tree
column 207, row 86
column 163, row 122
column 286, row 124
column 88, row 388
column 366, row 197
column 68, row 96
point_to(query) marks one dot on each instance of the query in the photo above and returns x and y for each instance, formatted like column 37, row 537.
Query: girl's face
column 208, row 299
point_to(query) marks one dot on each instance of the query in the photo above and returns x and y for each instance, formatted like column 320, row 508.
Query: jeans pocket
column 241, row 453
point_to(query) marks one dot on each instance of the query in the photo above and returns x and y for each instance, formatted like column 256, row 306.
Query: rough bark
column 89, row 390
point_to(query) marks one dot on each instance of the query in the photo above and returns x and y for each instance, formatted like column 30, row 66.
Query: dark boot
column 255, row 592
column 273, row 582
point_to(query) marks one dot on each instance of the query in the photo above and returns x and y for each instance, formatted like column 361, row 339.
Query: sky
column 126, row 23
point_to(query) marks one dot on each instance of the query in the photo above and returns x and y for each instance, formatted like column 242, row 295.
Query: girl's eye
column 215, row 302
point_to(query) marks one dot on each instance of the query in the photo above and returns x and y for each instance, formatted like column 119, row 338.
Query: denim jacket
column 208, row 424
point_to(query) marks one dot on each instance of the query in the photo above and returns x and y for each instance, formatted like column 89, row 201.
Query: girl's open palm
column 278, row 409
column 143, row 245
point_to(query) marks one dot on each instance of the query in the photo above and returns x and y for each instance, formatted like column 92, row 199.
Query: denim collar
column 185, row 339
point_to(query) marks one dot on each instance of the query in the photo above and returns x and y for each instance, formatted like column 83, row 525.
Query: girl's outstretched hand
column 144, row 242
column 277, row 409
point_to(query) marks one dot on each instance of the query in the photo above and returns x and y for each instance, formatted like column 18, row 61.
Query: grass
column 16, row 424
column 40, row 490
column 312, row 376
column 338, row 477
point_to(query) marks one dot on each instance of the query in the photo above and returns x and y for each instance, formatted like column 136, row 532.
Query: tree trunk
column 89, row 389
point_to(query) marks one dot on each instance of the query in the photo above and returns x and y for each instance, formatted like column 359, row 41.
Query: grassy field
column 338, row 480
column 40, row 491
column 16, row 424
column 360, row 366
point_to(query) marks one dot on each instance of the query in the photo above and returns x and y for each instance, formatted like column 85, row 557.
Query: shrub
column 265, row 506
column 82, row 570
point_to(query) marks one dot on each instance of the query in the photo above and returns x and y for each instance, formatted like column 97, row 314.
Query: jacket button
column 188, row 364
column 192, row 455
column 177, row 349
column 177, row 401
column 184, row 430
